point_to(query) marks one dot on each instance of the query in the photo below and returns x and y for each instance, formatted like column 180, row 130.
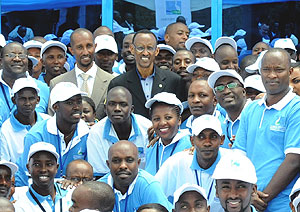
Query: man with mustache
column 65, row 130
column 132, row 186
column 196, row 168
column 7, row 171
column 120, row 124
column 235, row 182
column 269, row 134
column 229, row 90
column 86, row 74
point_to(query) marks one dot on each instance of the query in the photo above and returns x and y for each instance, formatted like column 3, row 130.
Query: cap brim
column 13, row 167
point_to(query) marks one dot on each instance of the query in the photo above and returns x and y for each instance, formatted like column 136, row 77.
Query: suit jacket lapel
column 135, row 86
column 98, row 88
column 158, row 82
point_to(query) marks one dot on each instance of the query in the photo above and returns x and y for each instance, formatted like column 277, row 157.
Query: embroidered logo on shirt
column 278, row 125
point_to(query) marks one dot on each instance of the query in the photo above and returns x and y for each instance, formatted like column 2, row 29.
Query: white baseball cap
column 52, row 43
column 33, row 44
column 256, row 66
column 42, row 146
column 295, row 188
column 33, row 60
column 235, row 166
column 225, row 40
column 222, row 73
column 206, row 63
column 190, row 42
column 2, row 40
column 254, row 81
column 106, row 42
column 206, row 122
column 25, row 82
column 165, row 97
column 188, row 187
column 63, row 91
column 13, row 167
column 166, row 47
column 285, row 43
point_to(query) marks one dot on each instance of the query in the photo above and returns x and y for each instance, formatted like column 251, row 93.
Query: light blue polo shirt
column 62, row 201
column 47, row 131
column 4, row 112
column 266, row 135
column 147, row 83
column 143, row 190
column 41, row 77
column 158, row 154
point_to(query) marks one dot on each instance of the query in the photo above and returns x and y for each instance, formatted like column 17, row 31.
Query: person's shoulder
column 39, row 127
column 142, row 120
column 63, row 77
column 145, row 178
column 167, row 73
column 96, row 128
column 123, row 77
column 104, row 74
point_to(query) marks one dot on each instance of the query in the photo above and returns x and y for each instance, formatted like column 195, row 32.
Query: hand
column 90, row 124
column 190, row 150
column 65, row 183
column 258, row 200
column 151, row 137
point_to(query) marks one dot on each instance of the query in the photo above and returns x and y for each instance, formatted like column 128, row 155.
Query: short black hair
column 144, row 31
column 156, row 206
column 90, row 102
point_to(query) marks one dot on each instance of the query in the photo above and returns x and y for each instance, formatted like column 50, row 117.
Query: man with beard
column 269, row 136
column 128, row 58
column 165, row 56
column 53, row 54
column 147, row 80
column 7, row 171
column 65, row 130
column 196, row 168
column 132, row 186
column 120, row 124
column 228, row 87
column 235, row 182
column 43, row 194
column 86, row 75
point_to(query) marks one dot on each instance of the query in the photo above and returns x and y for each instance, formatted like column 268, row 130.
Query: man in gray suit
column 147, row 80
column 86, row 74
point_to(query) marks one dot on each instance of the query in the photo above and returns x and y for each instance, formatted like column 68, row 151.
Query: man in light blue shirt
column 132, row 186
column 43, row 194
column 120, row 124
column 269, row 136
column 65, row 130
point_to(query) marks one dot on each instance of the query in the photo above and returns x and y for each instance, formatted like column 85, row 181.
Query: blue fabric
column 147, row 84
column 151, row 156
column 44, row 94
column 4, row 111
column 71, row 60
column 266, row 135
column 146, row 190
column 41, row 77
column 39, row 133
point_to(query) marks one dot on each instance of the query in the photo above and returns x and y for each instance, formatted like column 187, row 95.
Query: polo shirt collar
column 281, row 104
column 210, row 170
column 110, row 133
column 110, row 181
column 180, row 134
column 227, row 119
column 17, row 126
column 81, row 129
column 59, row 194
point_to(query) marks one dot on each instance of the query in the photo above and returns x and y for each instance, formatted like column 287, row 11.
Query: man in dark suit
column 147, row 80
column 96, row 82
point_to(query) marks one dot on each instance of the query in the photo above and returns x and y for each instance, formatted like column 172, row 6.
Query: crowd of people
column 184, row 125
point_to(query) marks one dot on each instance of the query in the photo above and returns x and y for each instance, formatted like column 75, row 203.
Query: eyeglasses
column 13, row 55
column 81, row 179
column 221, row 88
column 142, row 48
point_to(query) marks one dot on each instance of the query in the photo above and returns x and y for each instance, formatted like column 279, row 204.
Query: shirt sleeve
column 241, row 136
column 4, row 149
column 291, row 136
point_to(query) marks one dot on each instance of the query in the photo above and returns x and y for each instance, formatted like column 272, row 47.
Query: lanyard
column 126, row 201
column 200, row 184
column 40, row 205
column 157, row 154
column 61, row 165
column 5, row 97
column 229, row 138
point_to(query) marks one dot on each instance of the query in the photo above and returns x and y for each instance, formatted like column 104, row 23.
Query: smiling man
column 65, row 130
column 120, row 124
column 147, row 80
column 270, row 125
column 86, row 75
column 132, row 186
column 43, row 194
column 196, row 168
column 235, row 182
